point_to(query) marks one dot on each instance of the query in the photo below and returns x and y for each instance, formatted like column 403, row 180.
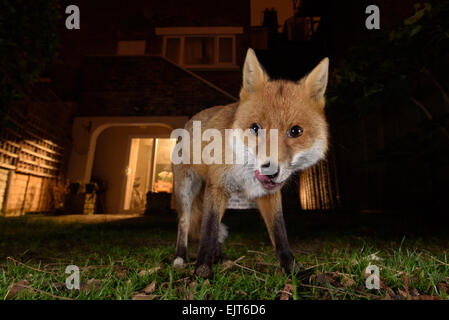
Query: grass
column 334, row 252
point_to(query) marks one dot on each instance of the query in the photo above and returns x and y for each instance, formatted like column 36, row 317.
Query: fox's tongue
column 262, row 178
column 266, row 181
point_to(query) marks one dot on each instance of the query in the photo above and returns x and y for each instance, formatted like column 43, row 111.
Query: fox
column 201, row 191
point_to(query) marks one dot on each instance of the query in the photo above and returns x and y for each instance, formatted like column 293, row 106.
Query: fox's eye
column 255, row 128
column 295, row 132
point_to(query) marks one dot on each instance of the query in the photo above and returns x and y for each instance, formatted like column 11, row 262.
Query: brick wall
column 147, row 85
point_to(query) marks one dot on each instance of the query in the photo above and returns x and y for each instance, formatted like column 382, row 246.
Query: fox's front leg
column 271, row 209
column 214, row 207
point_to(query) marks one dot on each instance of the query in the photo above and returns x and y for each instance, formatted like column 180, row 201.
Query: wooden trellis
column 25, row 149
column 30, row 157
column 318, row 187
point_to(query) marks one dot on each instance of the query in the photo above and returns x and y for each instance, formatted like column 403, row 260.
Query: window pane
column 172, row 49
column 163, row 176
column 138, row 173
column 225, row 50
column 199, row 50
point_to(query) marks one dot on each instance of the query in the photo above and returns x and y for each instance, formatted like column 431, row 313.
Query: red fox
column 296, row 111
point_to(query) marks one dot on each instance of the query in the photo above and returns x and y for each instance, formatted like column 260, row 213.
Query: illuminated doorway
column 149, row 170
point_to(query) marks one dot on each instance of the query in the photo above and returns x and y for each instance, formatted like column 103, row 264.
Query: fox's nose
column 270, row 172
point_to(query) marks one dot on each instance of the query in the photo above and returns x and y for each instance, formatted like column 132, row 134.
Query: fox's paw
column 289, row 264
column 203, row 271
column 178, row 263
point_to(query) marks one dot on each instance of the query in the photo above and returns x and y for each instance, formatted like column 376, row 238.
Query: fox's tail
column 196, row 217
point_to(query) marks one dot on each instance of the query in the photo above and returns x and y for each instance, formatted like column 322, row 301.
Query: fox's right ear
column 254, row 75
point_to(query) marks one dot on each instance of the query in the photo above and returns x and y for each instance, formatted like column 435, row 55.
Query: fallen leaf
column 58, row 285
column 122, row 273
column 402, row 293
column 348, row 281
column 287, row 291
column 17, row 287
column 149, row 271
column 142, row 296
column 243, row 293
column 92, row 284
column 150, row 288
column 387, row 297
column 228, row 264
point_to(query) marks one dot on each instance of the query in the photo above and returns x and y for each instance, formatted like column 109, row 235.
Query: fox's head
column 294, row 109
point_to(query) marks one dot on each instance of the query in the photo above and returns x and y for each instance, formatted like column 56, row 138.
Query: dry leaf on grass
column 228, row 264
column 150, row 288
column 121, row 273
column 143, row 296
column 58, row 285
column 403, row 294
column 17, row 287
column 149, row 271
column 241, row 292
column 348, row 281
column 92, row 284
column 287, row 291
column 387, row 297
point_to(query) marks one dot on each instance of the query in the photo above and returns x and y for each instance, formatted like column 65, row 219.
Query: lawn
column 131, row 259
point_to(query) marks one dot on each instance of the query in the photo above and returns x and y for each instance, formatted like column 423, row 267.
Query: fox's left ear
column 316, row 81
column 254, row 76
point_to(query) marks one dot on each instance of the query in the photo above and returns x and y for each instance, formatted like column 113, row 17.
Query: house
column 140, row 78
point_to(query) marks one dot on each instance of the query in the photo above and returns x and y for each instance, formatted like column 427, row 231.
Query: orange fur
column 273, row 104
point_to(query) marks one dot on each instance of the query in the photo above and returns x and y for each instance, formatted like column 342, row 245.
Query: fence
column 31, row 155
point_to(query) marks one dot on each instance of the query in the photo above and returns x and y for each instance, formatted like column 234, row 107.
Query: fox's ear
column 316, row 81
column 253, row 74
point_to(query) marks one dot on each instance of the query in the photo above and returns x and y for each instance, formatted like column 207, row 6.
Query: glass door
column 149, row 169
